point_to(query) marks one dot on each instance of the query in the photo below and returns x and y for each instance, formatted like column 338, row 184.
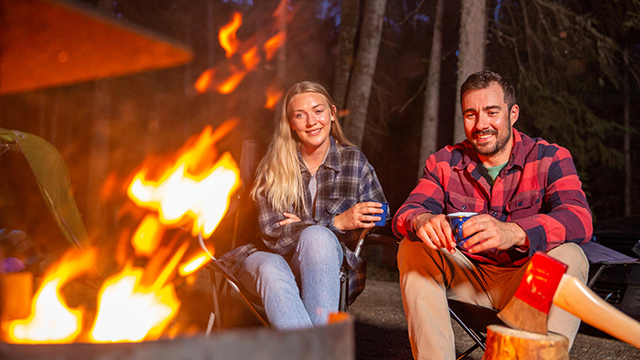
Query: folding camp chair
column 246, row 230
column 474, row 319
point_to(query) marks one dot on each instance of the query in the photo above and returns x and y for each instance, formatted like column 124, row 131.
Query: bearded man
column 529, row 198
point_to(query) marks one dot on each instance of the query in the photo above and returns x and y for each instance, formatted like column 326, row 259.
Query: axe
column 545, row 283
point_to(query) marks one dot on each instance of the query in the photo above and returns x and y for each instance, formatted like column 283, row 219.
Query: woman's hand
column 359, row 216
column 290, row 218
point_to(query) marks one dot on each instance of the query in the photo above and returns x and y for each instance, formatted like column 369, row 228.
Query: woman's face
column 311, row 118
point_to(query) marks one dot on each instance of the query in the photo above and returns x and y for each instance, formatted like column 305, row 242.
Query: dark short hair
column 484, row 79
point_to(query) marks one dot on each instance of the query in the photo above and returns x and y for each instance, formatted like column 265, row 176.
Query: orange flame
column 227, row 35
column 131, row 312
column 194, row 264
column 243, row 57
column 272, row 45
column 273, row 95
column 250, row 59
column 231, row 83
column 178, row 194
column 138, row 304
column 51, row 321
column 204, row 81
column 148, row 235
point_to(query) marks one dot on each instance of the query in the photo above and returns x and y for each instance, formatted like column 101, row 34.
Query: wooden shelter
column 47, row 43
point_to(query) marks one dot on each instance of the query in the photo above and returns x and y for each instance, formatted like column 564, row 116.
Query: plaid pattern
column 344, row 179
column 539, row 189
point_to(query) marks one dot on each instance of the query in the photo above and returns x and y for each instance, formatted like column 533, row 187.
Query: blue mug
column 456, row 220
column 383, row 216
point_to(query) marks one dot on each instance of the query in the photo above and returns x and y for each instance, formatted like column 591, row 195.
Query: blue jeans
column 302, row 292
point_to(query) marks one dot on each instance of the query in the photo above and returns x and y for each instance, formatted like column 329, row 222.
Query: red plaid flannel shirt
column 539, row 189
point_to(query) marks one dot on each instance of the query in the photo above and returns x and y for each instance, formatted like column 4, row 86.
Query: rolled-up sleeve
column 427, row 197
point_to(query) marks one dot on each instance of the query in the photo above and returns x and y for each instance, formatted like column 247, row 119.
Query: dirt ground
column 381, row 330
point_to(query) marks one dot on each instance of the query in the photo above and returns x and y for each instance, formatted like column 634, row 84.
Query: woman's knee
column 265, row 266
column 317, row 238
column 319, row 242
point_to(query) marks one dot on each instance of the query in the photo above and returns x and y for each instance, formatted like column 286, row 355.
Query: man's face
column 488, row 122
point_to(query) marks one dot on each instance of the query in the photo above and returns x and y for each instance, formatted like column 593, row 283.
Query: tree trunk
column 281, row 63
column 98, row 154
column 349, row 18
column 99, row 147
column 473, row 25
column 364, row 69
column 627, row 148
column 428, row 142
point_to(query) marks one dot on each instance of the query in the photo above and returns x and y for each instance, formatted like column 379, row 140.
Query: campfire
column 135, row 300
column 138, row 303
column 191, row 191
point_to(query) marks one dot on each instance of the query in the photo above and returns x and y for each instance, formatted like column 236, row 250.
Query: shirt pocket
column 458, row 202
column 524, row 204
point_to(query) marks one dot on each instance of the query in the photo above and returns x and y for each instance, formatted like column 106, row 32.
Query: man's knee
column 572, row 255
column 407, row 252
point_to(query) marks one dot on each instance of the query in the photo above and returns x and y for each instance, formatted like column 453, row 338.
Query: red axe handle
column 576, row 298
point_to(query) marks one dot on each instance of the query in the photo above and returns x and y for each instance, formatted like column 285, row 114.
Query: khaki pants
column 428, row 277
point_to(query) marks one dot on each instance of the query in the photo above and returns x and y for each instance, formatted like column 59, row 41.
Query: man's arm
column 426, row 199
column 566, row 216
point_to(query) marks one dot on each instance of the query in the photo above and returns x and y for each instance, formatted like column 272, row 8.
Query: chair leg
column 344, row 290
column 216, row 301
column 469, row 351
column 477, row 338
column 596, row 275
column 231, row 282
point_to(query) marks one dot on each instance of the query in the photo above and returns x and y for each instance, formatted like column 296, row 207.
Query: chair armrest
column 380, row 235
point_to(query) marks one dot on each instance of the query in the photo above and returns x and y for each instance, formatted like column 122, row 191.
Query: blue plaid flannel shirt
column 344, row 179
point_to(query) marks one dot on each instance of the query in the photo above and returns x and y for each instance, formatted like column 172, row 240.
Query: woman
column 313, row 189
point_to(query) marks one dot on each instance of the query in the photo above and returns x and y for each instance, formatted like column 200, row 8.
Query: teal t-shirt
column 494, row 171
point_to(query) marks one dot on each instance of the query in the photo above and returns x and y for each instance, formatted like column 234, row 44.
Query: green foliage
column 572, row 61
column 52, row 177
column 566, row 120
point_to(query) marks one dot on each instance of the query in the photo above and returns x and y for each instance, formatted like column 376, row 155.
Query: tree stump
column 504, row 343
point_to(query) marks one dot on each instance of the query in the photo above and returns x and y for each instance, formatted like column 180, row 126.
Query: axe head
column 529, row 307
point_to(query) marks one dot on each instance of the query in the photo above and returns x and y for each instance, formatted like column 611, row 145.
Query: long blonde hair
column 279, row 177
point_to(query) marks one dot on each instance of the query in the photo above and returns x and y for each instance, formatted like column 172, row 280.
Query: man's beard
column 500, row 143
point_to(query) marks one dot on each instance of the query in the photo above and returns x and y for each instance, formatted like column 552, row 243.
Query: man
column 529, row 198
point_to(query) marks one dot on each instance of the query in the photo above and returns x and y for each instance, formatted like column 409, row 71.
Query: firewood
column 504, row 343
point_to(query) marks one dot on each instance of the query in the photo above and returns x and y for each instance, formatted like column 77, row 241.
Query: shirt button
column 464, row 207
column 494, row 214
column 519, row 203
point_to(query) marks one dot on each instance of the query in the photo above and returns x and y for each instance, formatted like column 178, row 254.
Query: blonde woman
column 313, row 191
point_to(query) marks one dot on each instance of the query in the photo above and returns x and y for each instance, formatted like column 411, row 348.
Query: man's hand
column 435, row 231
column 490, row 233
column 359, row 216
